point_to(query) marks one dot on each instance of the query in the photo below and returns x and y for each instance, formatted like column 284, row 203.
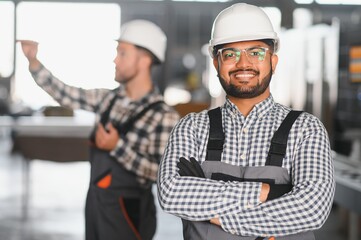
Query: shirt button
column 232, row 231
column 245, row 130
column 243, row 156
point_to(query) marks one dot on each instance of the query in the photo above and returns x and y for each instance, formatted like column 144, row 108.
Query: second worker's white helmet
column 145, row 34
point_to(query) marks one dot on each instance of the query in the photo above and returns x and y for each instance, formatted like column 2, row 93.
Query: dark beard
column 240, row 92
column 125, row 81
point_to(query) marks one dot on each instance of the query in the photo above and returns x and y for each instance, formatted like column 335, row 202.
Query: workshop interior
column 44, row 168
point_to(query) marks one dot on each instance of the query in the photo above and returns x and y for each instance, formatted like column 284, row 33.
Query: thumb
column 111, row 127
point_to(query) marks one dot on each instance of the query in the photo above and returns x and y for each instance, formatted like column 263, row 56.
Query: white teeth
column 244, row 75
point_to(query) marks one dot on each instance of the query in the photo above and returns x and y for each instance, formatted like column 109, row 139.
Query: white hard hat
column 242, row 22
column 145, row 34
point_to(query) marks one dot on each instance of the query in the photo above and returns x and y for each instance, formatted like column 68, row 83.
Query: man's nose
column 243, row 60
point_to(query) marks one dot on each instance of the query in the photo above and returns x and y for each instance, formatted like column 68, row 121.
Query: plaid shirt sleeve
column 68, row 96
column 140, row 152
column 308, row 205
column 236, row 204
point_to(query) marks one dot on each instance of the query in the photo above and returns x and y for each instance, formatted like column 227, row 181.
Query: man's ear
column 215, row 62
column 274, row 60
column 146, row 61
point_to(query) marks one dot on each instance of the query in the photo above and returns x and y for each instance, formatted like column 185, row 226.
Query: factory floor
column 56, row 203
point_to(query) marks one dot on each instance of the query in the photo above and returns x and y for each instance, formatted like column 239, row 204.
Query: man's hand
column 215, row 221
column 190, row 168
column 30, row 50
column 278, row 190
column 264, row 192
column 106, row 139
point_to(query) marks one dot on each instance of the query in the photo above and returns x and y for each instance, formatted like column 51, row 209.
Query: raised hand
column 30, row 50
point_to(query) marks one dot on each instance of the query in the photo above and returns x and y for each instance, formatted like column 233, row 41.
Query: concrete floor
column 57, row 199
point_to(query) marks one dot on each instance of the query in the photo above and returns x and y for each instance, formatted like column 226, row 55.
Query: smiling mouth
column 244, row 75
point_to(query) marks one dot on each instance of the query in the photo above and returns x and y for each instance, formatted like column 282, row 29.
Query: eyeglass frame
column 219, row 54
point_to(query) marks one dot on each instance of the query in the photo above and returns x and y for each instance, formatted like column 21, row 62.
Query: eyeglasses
column 233, row 55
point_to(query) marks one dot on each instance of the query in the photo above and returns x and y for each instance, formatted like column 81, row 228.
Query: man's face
column 247, row 77
column 126, row 62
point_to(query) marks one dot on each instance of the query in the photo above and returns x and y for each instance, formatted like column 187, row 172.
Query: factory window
column 76, row 42
column 346, row 2
column 7, row 38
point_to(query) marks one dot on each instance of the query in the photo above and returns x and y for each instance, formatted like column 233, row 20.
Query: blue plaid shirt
column 247, row 140
column 141, row 150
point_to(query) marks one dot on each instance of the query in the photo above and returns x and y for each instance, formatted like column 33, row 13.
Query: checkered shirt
column 247, row 140
column 142, row 148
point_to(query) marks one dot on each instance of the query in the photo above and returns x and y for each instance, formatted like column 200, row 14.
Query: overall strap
column 278, row 146
column 216, row 135
column 125, row 127
column 104, row 117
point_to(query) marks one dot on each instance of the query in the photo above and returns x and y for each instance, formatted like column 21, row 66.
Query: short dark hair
column 270, row 43
column 216, row 48
column 155, row 60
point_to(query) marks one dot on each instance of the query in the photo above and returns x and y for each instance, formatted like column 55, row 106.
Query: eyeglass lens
column 233, row 55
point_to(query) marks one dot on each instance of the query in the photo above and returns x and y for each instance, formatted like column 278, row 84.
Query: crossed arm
column 242, row 208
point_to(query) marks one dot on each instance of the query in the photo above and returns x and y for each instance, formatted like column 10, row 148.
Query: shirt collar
column 259, row 110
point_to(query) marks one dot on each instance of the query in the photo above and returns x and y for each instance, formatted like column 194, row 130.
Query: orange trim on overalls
column 130, row 223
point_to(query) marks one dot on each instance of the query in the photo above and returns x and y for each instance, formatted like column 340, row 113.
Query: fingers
column 182, row 172
column 99, row 135
column 112, row 133
column 100, row 130
column 215, row 221
column 197, row 167
column 27, row 42
column 104, row 139
column 277, row 190
column 111, row 128
column 183, row 169
column 185, row 166
column 190, row 168
column 30, row 50
column 29, row 47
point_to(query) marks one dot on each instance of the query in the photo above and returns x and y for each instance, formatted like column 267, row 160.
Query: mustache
column 244, row 70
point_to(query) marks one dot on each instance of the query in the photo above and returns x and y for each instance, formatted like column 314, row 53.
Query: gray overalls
column 213, row 168
column 124, row 209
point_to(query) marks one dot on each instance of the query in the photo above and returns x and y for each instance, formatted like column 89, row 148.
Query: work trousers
column 122, row 210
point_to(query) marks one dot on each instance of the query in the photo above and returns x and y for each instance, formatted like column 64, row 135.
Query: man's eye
column 256, row 52
column 121, row 53
column 228, row 55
